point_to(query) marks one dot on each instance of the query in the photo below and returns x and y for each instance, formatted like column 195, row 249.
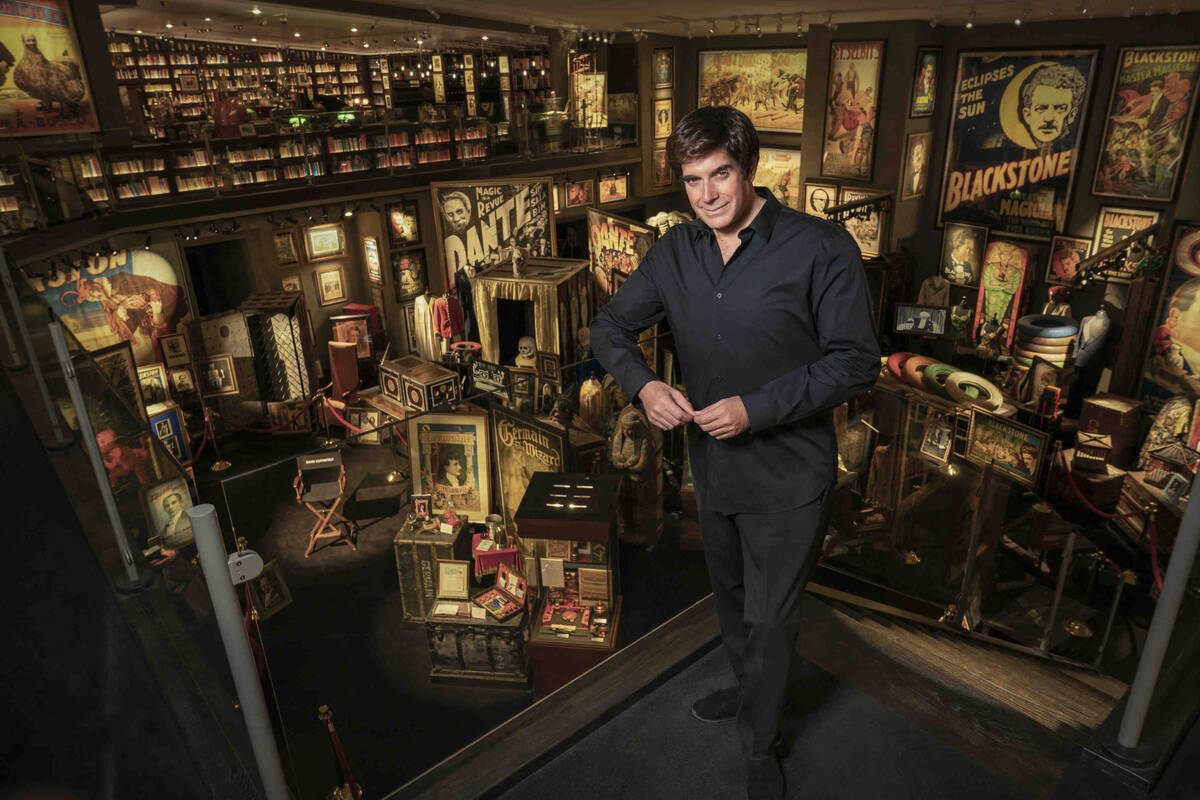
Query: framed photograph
column 818, row 197
column 371, row 259
column 664, row 118
column 766, row 85
column 216, row 375
column 580, row 193
column 116, row 364
column 1008, row 264
column 175, row 349
column 869, row 231
column 502, row 61
column 469, row 80
column 853, row 104
column 439, row 87
column 1015, row 449
column 410, row 276
column 152, row 379
column 660, row 170
column 1115, row 224
column 352, row 328
column 996, row 123
column 468, row 61
column 1066, row 254
column 404, row 222
column 449, row 459
column 547, row 367
column 614, row 188
column 919, row 320
column 372, row 422
column 422, row 505
column 436, row 60
column 189, row 83
column 924, row 91
column 292, row 415
column 938, row 438
column 1170, row 365
column 916, row 165
column 410, row 326
column 472, row 108
column 1149, row 124
column 269, row 593
column 331, row 285
column 664, row 67
column 166, row 420
column 165, row 505
column 291, row 283
column 962, row 252
column 323, row 242
column 522, row 382
column 779, row 171
column 453, row 579
column 182, row 381
column 505, row 83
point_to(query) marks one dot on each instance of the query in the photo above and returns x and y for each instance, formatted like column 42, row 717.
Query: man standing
column 772, row 323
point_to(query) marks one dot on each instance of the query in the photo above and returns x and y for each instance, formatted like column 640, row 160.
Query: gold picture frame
column 331, row 285
column 324, row 242
column 1016, row 450
column 453, row 579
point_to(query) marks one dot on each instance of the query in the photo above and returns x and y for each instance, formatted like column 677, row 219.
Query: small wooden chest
column 478, row 650
column 1118, row 418
column 417, row 554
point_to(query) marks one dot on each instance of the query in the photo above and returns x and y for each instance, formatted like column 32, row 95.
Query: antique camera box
column 1117, row 417
column 479, row 650
column 507, row 597
column 418, row 548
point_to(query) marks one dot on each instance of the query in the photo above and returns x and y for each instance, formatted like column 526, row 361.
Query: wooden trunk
column 477, row 650
column 417, row 555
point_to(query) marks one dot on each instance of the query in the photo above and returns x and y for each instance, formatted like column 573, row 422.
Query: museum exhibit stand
column 305, row 331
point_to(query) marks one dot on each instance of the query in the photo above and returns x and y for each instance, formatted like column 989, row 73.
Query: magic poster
column 1015, row 128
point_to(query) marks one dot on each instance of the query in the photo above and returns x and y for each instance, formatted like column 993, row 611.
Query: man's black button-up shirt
column 785, row 324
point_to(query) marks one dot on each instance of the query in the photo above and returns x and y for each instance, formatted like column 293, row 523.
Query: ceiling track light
column 971, row 18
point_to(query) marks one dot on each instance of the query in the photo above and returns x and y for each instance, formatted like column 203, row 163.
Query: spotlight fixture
column 757, row 28
column 484, row 37
column 235, row 226
column 308, row 213
column 1083, row 8
column 829, row 23
column 971, row 18
column 256, row 11
column 296, row 34
column 196, row 232
column 712, row 28
column 139, row 30
column 170, row 25
column 324, row 45
column 325, row 214
column 433, row 12
column 1129, row 11
column 349, row 210
column 354, row 29
column 149, row 239
column 254, row 38
column 212, row 227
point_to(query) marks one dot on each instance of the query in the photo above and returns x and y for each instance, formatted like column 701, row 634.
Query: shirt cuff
column 758, row 410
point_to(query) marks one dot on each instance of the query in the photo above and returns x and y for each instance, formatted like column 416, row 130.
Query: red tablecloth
column 488, row 561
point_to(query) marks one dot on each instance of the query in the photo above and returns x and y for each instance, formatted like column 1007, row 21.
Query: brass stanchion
column 347, row 789
column 220, row 465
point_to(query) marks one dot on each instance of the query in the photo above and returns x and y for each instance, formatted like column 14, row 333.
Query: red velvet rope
column 276, row 428
column 341, row 419
column 203, row 442
column 1083, row 500
column 1152, row 538
column 398, row 435
column 341, row 757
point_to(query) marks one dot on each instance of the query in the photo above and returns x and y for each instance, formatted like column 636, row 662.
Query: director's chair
column 320, row 485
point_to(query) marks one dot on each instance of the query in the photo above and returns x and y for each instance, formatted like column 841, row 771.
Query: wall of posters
column 131, row 296
column 615, row 245
column 852, row 106
column 523, row 447
column 449, row 455
column 924, row 93
column 1149, row 123
column 765, row 85
column 779, row 171
column 1174, row 358
column 47, row 88
column 1115, row 224
column 1016, row 127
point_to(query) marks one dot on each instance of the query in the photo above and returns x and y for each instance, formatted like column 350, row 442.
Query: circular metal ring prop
column 913, row 368
column 1047, row 326
column 987, row 395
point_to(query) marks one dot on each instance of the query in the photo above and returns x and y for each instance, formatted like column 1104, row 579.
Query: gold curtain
column 487, row 291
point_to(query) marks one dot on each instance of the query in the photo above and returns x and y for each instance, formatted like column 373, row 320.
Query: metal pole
column 214, row 563
column 136, row 579
column 1063, row 570
column 60, row 439
column 14, row 352
column 1155, row 650
column 1112, row 616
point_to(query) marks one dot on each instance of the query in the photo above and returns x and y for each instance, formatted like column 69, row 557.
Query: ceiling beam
column 366, row 8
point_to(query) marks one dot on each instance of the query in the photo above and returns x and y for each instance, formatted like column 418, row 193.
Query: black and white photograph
column 217, row 376
column 269, row 591
column 920, row 320
column 153, row 380
column 939, row 435
column 166, row 504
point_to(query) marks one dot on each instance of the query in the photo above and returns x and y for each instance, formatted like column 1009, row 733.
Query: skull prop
column 526, row 352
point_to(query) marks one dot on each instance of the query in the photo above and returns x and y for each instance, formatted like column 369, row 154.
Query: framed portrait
column 766, row 85
column 166, row 420
column 962, row 252
column 664, row 67
column 614, row 188
column 404, row 222
column 664, row 118
column 323, row 242
column 409, row 274
column 1066, row 254
column 453, row 579
column 1149, row 123
column 436, row 60
column 371, row 421
column 189, row 83
column 924, row 91
column 291, row 283
column 352, row 328
column 449, row 459
column 1169, row 365
column 1008, row 265
column 1016, row 450
column 422, row 506
column 869, row 231
column 938, row 438
column 580, row 193
column 182, row 381
column 371, row 259
column 331, row 285
column 779, row 171
column 547, row 366
column 175, row 350
column 818, row 197
column 502, row 62
column 152, row 379
column 468, row 61
column 115, row 363
column 855, row 69
column 917, row 320
column 522, row 391
column 285, row 247
column 505, row 83
column 472, row 109
column 660, row 170
column 269, row 593
column 439, row 87
column 469, row 80
column 916, row 165
column 217, row 376
column 1115, row 224
column 165, row 504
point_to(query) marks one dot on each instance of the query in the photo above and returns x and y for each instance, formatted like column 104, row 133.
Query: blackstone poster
column 615, row 246
column 1149, row 123
column 1015, row 129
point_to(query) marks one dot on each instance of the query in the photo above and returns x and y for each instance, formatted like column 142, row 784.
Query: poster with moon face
column 1174, row 359
column 1015, row 129
column 851, row 109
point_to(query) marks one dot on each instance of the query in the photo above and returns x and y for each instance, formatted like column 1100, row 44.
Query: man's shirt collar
column 762, row 224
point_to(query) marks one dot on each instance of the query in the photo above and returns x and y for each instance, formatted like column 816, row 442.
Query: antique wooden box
column 1091, row 452
column 507, row 598
column 479, row 650
column 417, row 552
column 391, row 372
column 1101, row 489
column 1116, row 417
column 429, row 386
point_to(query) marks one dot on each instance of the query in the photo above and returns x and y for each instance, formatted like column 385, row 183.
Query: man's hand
column 665, row 406
column 724, row 419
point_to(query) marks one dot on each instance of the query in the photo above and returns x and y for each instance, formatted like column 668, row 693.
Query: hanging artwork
column 404, row 222
column 591, row 99
column 818, row 197
column 1016, row 126
column 46, row 88
column 1006, row 263
column 1116, row 224
column 449, row 462
column 522, row 447
column 614, row 188
column 285, row 247
column 924, row 91
column 1066, row 254
column 664, row 121
column 615, row 247
column 779, row 171
column 409, row 274
column 371, row 258
column 1173, row 364
column 1149, row 123
column 323, row 242
column 765, row 85
column 116, row 364
column 580, row 193
column 664, row 67
column 660, row 170
column 962, row 252
column 867, row 231
column 851, row 111
column 916, row 165
column 331, row 285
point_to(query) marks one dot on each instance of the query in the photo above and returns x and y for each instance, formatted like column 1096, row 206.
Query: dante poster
column 615, row 247
column 765, row 85
column 851, row 109
column 523, row 447
column 779, row 171
column 130, row 296
column 1015, row 129
column 1174, row 361
column 43, row 87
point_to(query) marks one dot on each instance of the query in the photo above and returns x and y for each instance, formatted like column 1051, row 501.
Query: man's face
column 1155, row 90
column 1047, row 113
column 172, row 506
column 453, row 467
column 718, row 191
column 918, row 155
column 457, row 214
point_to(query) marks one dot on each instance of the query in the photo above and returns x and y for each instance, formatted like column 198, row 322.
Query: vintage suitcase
column 417, row 553
column 1118, row 418
column 478, row 650
column 508, row 597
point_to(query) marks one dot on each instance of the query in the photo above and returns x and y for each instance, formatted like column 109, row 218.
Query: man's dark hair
column 711, row 128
